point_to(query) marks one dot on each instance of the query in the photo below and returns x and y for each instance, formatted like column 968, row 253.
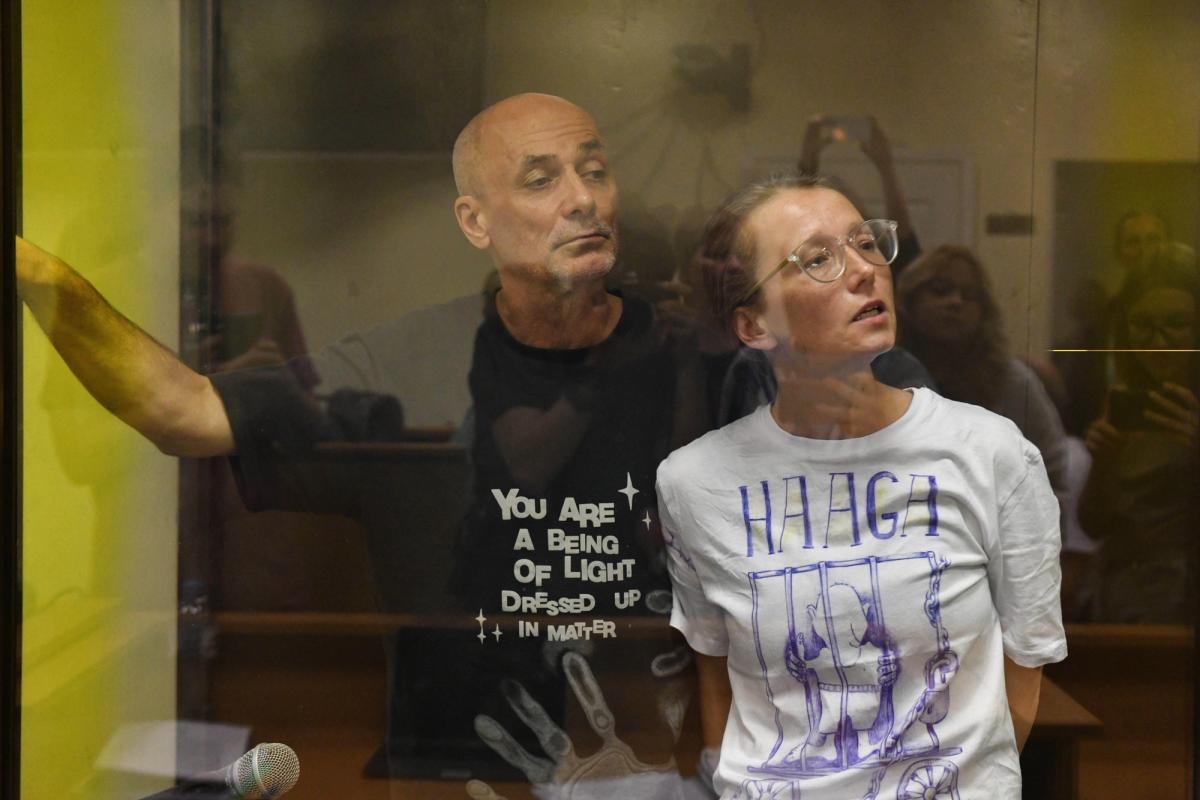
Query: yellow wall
column 100, row 115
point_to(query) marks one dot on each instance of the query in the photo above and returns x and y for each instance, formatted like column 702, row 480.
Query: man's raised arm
column 136, row 378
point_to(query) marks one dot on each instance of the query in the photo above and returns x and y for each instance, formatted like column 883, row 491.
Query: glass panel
column 1117, row 174
column 408, row 517
column 100, row 138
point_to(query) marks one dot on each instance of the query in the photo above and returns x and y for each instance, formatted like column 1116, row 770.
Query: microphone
column 264, row 772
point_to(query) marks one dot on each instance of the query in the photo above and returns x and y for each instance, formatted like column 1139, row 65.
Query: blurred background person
column 1078, row 547
column 1140, row 496
column 951, row 322
column 1138, row 237
column 824, row 129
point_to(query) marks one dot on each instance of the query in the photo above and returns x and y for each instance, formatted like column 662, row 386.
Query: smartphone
column 1126, row 409
column 848, row 129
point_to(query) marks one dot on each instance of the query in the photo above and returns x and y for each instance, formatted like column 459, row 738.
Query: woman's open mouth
column 871, row 310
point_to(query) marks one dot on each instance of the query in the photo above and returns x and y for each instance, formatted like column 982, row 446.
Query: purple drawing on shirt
column 848, row 661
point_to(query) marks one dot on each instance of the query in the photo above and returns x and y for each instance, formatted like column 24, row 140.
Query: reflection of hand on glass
column 1103, row 438
column 611, row 771
column 1176, row 409
column 816, row 136
column 877, row 148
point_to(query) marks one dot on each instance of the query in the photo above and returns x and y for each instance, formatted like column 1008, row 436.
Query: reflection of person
column 577, row 394
column 940, row 511
column 1078, row 548
column 1139, row 236
column 1138, row 499
column 249, row 560
column 952, row 323
column 876, row 147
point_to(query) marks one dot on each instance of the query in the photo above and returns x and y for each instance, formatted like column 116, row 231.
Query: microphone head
column 267, row 771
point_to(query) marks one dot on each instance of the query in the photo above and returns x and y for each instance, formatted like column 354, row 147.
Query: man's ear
column 472, row 221
column 749, row 326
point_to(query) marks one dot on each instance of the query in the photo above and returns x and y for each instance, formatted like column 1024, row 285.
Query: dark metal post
column 10, row 404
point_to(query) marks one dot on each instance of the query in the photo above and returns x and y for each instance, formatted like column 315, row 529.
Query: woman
column 952, row 323
column 864, row 571
column 1139, row 500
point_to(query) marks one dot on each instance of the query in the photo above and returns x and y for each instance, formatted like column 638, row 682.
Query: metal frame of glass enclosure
column 10, row 409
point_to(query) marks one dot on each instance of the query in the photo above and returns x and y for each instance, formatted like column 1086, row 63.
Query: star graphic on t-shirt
column 482, row 637
column 628, row 491
column 497, row 633
column 646, row 519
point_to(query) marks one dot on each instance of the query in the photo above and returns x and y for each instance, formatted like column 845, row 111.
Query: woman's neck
column 835, row 405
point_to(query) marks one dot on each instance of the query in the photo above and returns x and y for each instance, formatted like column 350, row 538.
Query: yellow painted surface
column 100, row 161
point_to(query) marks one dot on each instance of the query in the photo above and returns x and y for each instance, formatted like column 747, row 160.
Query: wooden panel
column 1138, row 681
column 318, row 683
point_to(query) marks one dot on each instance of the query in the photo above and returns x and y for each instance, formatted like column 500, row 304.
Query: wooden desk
column 317, row 682
column 1139, row 681
column 1050, row 761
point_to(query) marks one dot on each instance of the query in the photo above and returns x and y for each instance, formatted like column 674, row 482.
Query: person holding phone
column 1139, row 499
column 951, row 321
column 824, row 129
column 866, row 573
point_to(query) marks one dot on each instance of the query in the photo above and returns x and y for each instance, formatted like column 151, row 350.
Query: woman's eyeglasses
column 823, row 258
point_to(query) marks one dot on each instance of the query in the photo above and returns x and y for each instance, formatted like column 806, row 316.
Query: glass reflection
column 381, row 401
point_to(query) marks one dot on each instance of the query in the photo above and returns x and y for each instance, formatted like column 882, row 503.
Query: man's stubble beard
column 566, row 279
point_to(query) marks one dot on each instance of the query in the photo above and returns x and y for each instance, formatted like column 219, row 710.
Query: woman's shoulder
column 974, row 427
column 992, row 443
column 703, row 456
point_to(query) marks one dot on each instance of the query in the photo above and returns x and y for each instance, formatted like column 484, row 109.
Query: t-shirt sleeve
column 693, row 614
column 1023, row 567
column 276, row 427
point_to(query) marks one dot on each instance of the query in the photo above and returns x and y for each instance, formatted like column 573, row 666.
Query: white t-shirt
column 865, row 591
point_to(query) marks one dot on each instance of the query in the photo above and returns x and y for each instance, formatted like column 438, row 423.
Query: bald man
column 576, row 395
column 536, row 195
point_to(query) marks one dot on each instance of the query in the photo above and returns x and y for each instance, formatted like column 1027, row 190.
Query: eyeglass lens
column 1172, row 328
column 823, row 257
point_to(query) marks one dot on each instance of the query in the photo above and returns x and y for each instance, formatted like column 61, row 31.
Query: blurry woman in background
column 949, row 320
column 1140, row 498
